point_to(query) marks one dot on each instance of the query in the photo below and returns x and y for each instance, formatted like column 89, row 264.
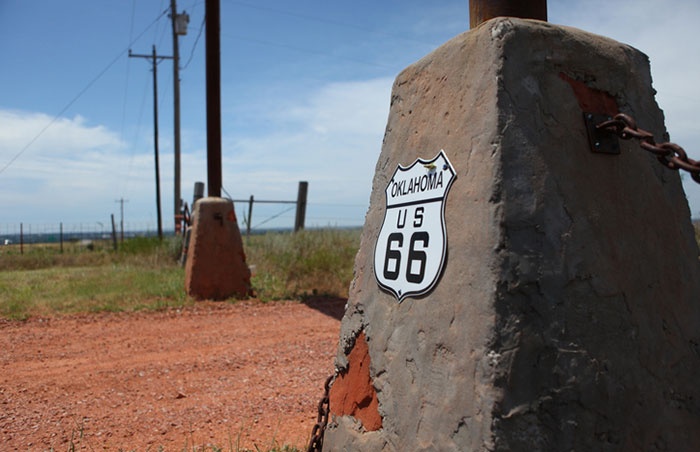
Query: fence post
column 250, row 217
column 198, row 193
column 301, row 206
column 21, row 238
column 60, row 235
column 114, row 234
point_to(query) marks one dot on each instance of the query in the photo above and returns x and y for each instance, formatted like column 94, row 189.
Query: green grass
column 78, row 436
column 306, row 263
column 144, row 273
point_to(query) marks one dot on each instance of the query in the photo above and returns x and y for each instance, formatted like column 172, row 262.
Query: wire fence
column 266, row 217
column 28, row 233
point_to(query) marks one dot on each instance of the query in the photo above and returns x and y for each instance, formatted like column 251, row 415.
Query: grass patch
column 144, row 273
column 308, row 262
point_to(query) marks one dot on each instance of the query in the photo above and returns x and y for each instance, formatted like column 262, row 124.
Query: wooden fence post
column 301, row 206
column 249, row 221
column 114, row 234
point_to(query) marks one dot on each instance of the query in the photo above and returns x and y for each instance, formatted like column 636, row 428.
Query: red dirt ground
column 235, row 376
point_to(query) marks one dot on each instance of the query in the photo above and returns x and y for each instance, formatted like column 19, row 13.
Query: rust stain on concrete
column 592, row 100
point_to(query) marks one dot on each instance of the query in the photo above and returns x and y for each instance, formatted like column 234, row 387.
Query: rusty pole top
column 483, row 10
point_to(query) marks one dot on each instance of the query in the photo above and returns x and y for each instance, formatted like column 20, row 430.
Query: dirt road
column 231, row 375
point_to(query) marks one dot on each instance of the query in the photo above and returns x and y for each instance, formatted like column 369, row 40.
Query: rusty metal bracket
column 600, row 140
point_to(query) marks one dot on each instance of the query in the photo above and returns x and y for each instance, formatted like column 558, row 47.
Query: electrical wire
column 330, row 22
column 126, row 89
column 302, row 50
column 137, row 132
column 273, row 217
column 199, row 34
column 128, row 66
column 79, row 95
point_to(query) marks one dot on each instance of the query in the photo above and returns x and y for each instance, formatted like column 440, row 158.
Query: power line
column 303, row 50
column 272, row 217
column 78, row 96
column 126, row 81
column 126, row 90
column 199, row 34
column 330, row 22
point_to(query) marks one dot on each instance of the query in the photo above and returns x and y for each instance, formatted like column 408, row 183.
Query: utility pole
column 213, row 90
column 121, row 201
column 483, row 10
column 155, row 59
column 179, row 26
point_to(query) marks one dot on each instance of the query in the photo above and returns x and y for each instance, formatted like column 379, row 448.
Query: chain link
column 670, row 155
column 319, row 429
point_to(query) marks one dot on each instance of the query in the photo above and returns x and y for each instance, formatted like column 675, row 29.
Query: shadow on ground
column 331, row 306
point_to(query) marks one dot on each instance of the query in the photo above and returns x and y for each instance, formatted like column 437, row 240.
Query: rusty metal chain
column 670, row 155
column 319, row 429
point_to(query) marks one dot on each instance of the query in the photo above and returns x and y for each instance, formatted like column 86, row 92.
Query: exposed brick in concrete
column 353, row 393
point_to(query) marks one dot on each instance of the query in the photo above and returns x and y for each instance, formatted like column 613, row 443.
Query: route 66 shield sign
column 410, row 251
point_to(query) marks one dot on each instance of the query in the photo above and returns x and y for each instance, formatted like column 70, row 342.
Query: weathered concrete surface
column 216, row 268
column 567, row 316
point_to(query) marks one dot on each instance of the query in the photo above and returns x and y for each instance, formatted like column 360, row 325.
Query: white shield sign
column 411, row 247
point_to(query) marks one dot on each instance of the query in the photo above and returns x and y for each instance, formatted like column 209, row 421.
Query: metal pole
column 155, row 139
column 213, row 76
column 176, row 111
column 483, row 10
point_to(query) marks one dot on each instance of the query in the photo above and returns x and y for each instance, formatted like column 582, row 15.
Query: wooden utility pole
column 179, row 26
column 155, row 59
column 114, row 234
column 215, row 267
column 301, row 206
column 213, row 77
column 483, row 10
column 121, row 201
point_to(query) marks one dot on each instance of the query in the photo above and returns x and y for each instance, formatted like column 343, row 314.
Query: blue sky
column 305, row 96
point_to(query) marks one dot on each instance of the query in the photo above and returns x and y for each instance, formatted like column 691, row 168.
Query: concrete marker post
column 567, row 316
column 215, row 268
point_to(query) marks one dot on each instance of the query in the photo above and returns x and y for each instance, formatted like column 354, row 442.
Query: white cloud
column 60, row 137
column 330, row 136
column 666, row 33
column 332, row 139
column 70, row 172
